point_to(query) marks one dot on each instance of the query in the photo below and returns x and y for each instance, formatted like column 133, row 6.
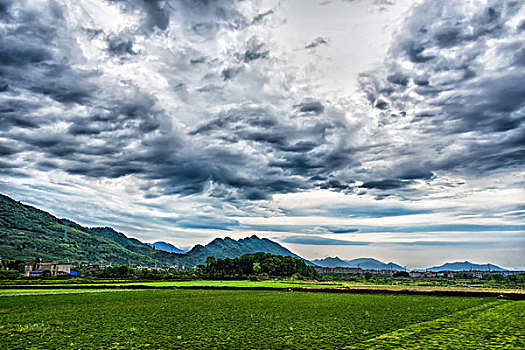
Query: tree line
column 257, row 264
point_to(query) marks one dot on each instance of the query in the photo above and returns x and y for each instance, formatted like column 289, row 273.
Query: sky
column 368, row 128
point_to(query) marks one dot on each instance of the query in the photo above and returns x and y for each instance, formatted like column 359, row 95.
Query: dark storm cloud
column 387, row 184
column 214, row 129
column 16, row 113
column 299, row 146
column 112, row 118
column 458, row 92
column 123, row 130
column 231, row 72
column 157, row 16
column 14, row 53
column 318, row 240
column 414, row 174
column 255, row 50
column 137, row 114
column 294, row 148
column 62, row 85
column 314, row 107
column 120, row 45
column 237, row 119
column 317, row 42
column 340, row 229
column 4, row 4
column 5, row 150
column 260, row 17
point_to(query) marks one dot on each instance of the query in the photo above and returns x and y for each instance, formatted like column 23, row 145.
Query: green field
column 228, row 319
column 7, row 286
column 193, row 283
column 36, row 291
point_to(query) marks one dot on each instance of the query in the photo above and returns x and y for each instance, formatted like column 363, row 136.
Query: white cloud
column 152, row 116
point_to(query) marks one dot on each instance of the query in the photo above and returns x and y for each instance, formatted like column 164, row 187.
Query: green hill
column 27, row 233
column 465, row 266
column 227, row 247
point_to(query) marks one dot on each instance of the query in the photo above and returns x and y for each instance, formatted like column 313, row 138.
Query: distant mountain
column 373, row 264
column 364, row 263
column 331, row 262
column 27, row 233
column 466, row 266
column 227, row 247
column 167, row 247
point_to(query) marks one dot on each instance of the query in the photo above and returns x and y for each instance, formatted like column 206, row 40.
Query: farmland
column 254, row 319
column 15, row 285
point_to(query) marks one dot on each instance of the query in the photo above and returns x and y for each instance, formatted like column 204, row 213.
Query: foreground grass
column 434, row 288
column 200, row 319
column 489, row 326
column 196, row 283
column 11, row 292
column 8, row 287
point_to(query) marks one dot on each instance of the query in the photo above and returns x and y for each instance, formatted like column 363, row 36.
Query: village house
column 351, row 270
column 51, row 268
column 387, row 272
column 422, row 274
column 449, row 274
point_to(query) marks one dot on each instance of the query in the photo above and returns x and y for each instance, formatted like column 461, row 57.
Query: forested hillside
column 27, row 233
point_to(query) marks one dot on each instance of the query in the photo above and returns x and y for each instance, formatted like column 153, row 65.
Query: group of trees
column 257, row 264
column 126, row 272
column 509, row 279
column 11, row 269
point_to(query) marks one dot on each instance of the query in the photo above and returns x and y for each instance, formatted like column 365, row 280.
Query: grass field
column 6, row 286
column 227, row 319
column 9, row 292
column 193, row 283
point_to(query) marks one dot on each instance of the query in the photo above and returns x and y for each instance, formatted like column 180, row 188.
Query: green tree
column 368, row 275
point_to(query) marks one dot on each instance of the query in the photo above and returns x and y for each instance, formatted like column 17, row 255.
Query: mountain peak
column 167, row 247
column 227, row 247
column 466, row 266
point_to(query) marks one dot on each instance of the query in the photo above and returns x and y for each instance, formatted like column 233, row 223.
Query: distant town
column 55, row 268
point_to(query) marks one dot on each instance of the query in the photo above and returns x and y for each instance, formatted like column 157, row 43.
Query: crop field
column 230, row 319
column 10, row 286
column 35, row 291
column 192, row 283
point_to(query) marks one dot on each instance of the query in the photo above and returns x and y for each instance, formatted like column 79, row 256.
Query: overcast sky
column 365, row 128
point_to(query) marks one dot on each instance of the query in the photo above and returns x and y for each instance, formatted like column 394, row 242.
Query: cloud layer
column 205, row 104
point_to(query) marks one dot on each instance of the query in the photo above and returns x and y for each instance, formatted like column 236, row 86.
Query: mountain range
column 27, row 233
column 364, row 263
column 373, row 264
column 167, row 247
column 466, row 266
